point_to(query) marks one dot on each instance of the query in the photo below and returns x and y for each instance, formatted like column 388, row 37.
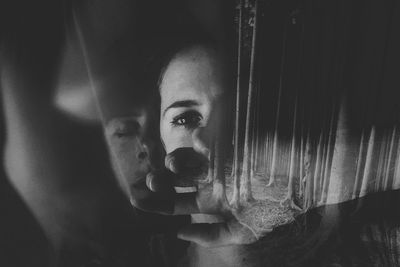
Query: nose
column 143, row 152
column 202, row 138
column 141, row 125
column 188, row 164
column 152, row 149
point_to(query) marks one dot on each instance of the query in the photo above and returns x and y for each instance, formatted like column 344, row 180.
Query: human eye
column 189, row 119
column 124, row 128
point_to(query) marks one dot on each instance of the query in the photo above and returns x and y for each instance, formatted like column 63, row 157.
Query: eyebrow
column 182, row 104
column 130, row 122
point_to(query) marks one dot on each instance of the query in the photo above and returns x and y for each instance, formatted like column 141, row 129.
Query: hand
column 155, row 192
column 228, row 232
column 206, row 200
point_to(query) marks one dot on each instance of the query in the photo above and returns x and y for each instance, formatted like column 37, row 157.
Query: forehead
column 193, row 74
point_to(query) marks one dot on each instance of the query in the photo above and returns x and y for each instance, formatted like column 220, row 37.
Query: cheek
column 129, row 166
column 175, row 137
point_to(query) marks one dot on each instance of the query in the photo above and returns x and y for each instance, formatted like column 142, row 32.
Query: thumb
column 160, row 181
column 217, row 234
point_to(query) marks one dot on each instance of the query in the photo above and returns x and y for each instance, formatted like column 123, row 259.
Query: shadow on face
column 190, row 89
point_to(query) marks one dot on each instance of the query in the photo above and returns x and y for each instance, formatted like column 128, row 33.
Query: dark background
column 334, row 49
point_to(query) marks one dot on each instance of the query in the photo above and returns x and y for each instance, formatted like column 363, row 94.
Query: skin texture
column 192, row 90
column 135, row 153
column 189, row 90
column 50, row 167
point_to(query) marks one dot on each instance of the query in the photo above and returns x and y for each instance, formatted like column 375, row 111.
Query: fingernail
column 169, row 164
column 149, row 181
column 180, row 235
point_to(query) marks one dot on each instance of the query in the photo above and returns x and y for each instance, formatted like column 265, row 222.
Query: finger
column 185, row 204
column 163, row 201
column 144, row 199
column 155, row 193
column 160, row 181
column 164, row 181
column 207, row 234
column 217, row 234
column 185, row 161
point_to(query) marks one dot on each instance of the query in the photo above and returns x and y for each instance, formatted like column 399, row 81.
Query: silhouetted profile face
column 190, row 90
column 133, row 138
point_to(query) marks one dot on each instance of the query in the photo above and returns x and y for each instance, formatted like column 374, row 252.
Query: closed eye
column 123, row 128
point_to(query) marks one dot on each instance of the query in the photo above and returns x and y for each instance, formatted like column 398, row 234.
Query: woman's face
column 190, row 89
